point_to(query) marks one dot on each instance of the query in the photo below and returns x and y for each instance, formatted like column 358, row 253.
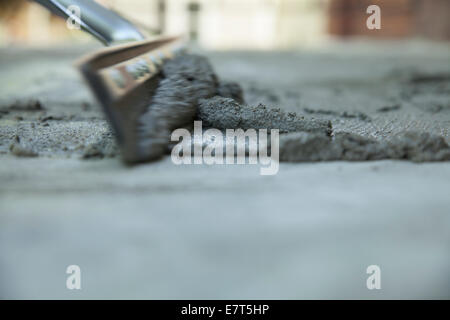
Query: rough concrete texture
column 226, row 113
column 164, row 231
column 414, row 146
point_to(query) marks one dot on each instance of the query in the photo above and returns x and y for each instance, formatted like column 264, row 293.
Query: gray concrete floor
column 165, row 231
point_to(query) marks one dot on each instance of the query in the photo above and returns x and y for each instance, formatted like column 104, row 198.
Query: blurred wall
column 27, row 23
column 218, row 24
column 241, row 24
column 399, row 18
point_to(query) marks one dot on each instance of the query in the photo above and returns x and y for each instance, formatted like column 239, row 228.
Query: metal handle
column 104, row 24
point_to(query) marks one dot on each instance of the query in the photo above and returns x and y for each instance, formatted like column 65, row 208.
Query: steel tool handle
column 104, row 24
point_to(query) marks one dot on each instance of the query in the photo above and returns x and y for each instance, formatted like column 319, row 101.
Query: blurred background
column 241, row 24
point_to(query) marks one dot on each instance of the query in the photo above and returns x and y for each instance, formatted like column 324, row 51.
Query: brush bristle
column 185, row 80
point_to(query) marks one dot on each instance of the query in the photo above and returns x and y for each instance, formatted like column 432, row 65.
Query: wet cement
column 414, row 146
column 190, row 90
column 312, row 140
column 226, row 113
column 412, row 102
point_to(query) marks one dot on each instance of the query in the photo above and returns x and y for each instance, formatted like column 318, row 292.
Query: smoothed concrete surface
column 165, row 231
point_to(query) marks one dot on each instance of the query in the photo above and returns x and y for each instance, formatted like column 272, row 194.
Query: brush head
column 128, row 80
